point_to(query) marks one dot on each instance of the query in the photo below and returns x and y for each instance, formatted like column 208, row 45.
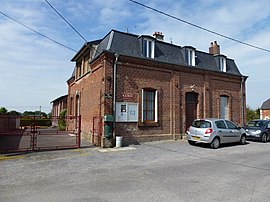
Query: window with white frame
column 224, row 107
column 191, row 57
column 149, row 105
column 222, row 64
column 149, row 48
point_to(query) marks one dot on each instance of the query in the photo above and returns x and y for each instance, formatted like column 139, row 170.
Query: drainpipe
column 114, row 91
column 242, row 100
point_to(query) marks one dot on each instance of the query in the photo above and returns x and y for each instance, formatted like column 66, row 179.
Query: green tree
column 14, row 113
column 3, row 110
column 252, row 114
column 62, row 120
column 28, row 113
column 49, row 114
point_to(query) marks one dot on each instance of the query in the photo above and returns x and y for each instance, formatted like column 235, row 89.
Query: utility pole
column 39, row 110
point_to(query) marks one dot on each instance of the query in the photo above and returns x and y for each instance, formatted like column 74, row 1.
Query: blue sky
column 34, row 70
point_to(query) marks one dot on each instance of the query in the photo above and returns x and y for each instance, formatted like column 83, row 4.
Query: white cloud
column 28, row 61
column 34, row 70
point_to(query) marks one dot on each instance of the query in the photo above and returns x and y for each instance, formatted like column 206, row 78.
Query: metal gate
column 16, row 137
column 97, row 131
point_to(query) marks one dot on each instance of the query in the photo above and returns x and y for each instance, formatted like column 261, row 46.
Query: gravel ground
column 155, row 171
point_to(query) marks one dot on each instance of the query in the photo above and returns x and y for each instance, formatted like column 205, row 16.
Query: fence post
column 79, row 131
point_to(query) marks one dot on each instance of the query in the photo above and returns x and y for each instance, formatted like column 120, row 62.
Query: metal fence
column 34, row 136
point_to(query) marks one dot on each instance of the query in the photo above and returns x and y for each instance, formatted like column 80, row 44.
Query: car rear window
column 201, row 124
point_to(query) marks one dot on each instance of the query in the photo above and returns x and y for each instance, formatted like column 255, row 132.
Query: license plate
column 196, row 138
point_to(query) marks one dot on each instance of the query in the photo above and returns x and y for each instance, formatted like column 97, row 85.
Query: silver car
column 215, row 132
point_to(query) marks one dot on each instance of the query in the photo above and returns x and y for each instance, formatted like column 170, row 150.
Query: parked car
column 258, row 130
column 215, row 131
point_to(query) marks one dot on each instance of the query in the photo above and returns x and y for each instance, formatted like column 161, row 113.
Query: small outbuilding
column 265, row 110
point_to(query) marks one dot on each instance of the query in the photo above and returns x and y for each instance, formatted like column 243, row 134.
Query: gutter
column 114, row 90
column 243, row 79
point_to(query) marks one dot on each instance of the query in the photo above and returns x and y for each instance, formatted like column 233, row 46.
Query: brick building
column 153, row 90
column 58, row 105
column 265, row 110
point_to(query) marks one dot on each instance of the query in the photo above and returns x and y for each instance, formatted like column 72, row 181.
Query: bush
column 62, row 120
column 38, row 122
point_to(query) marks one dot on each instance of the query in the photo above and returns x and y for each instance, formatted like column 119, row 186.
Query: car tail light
column 208, row 131
column 188, row 129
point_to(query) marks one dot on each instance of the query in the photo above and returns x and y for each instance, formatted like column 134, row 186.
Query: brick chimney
column 214, row 48
column 159, row 36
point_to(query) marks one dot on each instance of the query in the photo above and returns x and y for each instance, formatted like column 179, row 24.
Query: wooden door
column 191, row 108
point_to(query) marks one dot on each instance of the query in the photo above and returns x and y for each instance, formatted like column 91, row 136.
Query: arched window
column 224, row 107
column 71, row 106
column 77, row 112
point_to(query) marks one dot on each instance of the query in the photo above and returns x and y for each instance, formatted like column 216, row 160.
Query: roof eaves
column 59, row 98
column 83, row 48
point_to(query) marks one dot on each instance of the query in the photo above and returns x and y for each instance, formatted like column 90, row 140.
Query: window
column 86, row 63
column 220, row 124
column 224, row 109
column 222, row 64
column 201, row 124
column 149, row 48
column 78, row 70
column 258, row 124
column 71, row 106
column 149, row 105
column 191, row 57
column 77, row 112
column 231, row 125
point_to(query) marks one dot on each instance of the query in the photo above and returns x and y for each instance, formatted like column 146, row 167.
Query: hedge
column 38, row 122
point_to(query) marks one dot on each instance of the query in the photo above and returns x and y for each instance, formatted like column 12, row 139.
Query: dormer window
column 190, row 56
column 78, row 70
column 149, row 48
column 222, row 64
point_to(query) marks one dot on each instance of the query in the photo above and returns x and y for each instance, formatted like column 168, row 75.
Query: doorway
column 191, row 108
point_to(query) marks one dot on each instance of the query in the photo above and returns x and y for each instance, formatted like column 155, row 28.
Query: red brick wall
column 132, row 79
column 171, row 82
column 265, row 114
column 90, row 89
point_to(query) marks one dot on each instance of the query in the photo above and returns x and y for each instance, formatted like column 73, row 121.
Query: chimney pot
column 214, row 48
column 158, row 35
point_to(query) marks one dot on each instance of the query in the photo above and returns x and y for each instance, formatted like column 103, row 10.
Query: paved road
column 157, row 171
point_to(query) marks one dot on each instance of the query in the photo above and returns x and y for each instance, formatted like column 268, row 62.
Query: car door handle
column 231, row 131
column 220, row 131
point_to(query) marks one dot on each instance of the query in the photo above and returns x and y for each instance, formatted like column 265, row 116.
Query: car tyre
column 264, row 137
column 243, row 140
column 215, row 143
column 191, row 142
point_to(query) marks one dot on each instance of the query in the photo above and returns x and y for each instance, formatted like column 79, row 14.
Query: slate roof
column 266, row 104
column 131, row 45
column 59, row 98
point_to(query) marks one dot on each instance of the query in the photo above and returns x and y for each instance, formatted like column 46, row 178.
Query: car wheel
column 215, row 143
column 191, row 142
column 264, row 138
column 243, row 139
